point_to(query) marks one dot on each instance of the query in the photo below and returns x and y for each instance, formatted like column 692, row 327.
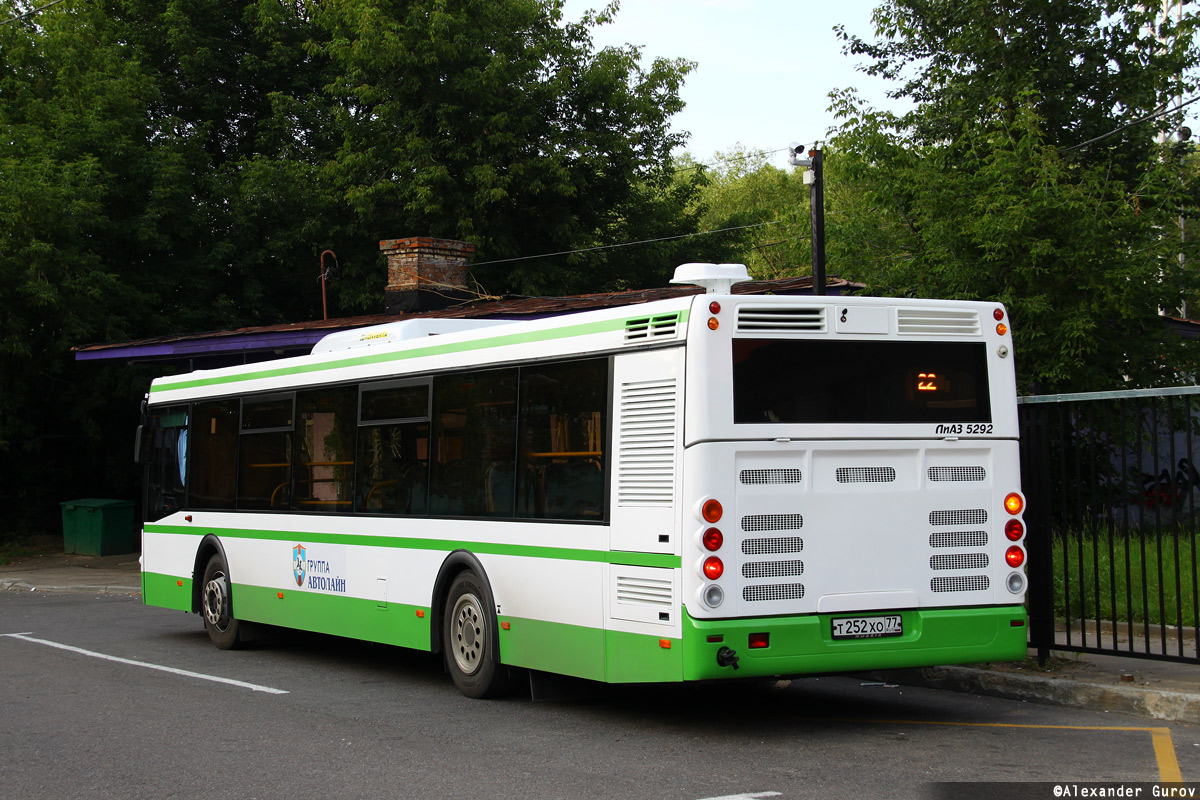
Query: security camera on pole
column 816, row 203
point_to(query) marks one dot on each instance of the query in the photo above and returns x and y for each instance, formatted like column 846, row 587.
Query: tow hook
column 727, row 657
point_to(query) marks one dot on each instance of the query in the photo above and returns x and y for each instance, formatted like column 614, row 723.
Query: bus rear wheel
column 216, row 605
column 467, row 636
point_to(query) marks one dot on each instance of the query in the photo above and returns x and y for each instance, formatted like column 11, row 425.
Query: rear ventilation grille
column 866, row 474
column 957, row 474
column 750, row 477
column 781, row 591
column 646, row 475
column 779, row 544
column 966, row 516
column 958, row 539
column 781, row 319
column 644, row 592
column 960, row 583
column 959, row 561
column 644, row 329
column 772, row 569
column 772, row 522
column 937, row 321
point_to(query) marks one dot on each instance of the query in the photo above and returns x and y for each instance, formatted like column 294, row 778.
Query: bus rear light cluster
column 1014, row 531
column 711, row 539
column 998, row 315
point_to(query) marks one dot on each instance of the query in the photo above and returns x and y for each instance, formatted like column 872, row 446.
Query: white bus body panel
column 851, row 526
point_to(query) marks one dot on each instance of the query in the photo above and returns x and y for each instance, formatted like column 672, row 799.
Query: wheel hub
column 468, row 633
column 216, row 602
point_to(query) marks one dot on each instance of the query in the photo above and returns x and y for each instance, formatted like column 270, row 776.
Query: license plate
column 867, row 627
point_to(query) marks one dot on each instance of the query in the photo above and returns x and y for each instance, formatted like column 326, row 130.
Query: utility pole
column 816, row 204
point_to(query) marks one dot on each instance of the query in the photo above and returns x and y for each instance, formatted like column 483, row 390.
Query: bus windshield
column 814, row 381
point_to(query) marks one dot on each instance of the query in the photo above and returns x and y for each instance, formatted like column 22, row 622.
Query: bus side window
column 166, row 487
column 324, row 459
column 213, row 441
column 562, row 436
column 265, row 453
column 391, row 472
column 475, row 421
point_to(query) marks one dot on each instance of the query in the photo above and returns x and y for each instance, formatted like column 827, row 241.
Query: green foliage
column 746, row 190
column 981, row 193
column 178, row 165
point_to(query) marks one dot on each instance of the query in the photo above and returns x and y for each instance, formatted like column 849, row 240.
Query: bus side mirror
column 141, row 446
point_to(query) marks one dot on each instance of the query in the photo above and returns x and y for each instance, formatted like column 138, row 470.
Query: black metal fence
column 1113, row 495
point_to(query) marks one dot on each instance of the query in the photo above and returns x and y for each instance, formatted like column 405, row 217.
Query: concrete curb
column 99, row 588
column 1144, row 702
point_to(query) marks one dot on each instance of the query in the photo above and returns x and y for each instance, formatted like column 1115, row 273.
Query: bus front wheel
column 467, row 636
column 216, row 605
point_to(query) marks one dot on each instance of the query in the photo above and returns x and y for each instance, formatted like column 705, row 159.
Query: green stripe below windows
column 442, row 545
column 490, row 342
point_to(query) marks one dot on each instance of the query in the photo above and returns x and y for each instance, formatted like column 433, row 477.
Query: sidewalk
column 1156, row 689
column 64, row 572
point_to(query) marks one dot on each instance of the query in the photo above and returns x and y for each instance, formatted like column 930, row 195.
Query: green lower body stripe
column 796, row 645
column 805, row 644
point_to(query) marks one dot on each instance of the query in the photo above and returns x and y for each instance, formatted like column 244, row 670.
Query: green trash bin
column 98, row 527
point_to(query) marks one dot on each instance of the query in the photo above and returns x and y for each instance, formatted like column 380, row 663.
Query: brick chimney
column 425, row 273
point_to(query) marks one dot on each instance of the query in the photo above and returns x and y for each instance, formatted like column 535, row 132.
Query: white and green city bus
column 712, row 486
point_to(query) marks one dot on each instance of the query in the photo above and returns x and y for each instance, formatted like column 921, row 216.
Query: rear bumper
column 805, row 645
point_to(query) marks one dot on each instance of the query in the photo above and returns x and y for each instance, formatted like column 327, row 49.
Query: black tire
column 467, row 634
column 216, row 606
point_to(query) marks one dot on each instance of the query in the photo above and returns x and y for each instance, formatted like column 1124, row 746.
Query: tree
column 178, row 165
column 1089, row 66
column 981, row 192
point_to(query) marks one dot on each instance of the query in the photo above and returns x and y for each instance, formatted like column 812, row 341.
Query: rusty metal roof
column 270, row 341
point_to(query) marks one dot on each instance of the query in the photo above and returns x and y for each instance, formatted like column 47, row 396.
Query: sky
column 765, row 68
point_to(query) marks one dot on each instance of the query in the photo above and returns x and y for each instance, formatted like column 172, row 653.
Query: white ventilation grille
column 866, row 474
column 777, row 544
column 958, row 539
column 772, row 569
column 960, row 583
column 966, row 516
column 781, row 319
column 937, row 321
column 644, row 592
column 751, row 477
column 781, row 591
column 646, row 451
column 772, row 522
column 957, row 474
column 645, row 329
column 959, row 561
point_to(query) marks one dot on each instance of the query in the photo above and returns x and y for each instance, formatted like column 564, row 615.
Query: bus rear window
column 820, row 381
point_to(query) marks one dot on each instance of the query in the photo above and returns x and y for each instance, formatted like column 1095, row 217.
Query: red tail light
column 1014, row 529
column 713, row 568
column 1015, row 556
column 713, row 539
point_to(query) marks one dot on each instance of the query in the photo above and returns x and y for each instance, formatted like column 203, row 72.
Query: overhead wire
column 31, row 12
column 627, row 244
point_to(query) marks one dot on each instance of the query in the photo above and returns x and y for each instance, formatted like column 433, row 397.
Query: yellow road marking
column 1164, row 745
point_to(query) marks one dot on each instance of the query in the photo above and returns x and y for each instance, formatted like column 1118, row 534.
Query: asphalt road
column 306, row 716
